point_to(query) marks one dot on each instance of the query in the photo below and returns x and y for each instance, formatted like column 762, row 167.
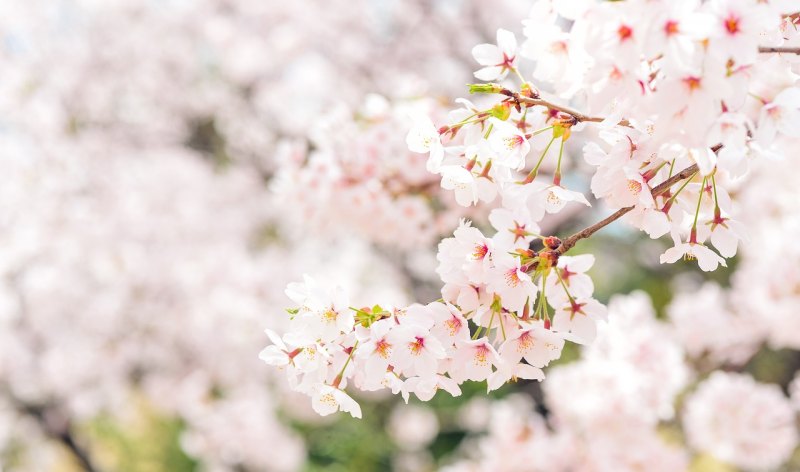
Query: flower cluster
column 613, row 409
column 676, row 102
column 674, row 120
column 505, row 315
column 757, row 434
column 356, row 177
column 140, row 241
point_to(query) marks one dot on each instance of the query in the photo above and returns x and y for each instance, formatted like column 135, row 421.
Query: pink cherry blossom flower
column 758, row 434
column 537, row 345
column 506, row 279
column 572, row 271
column 376, row 351
column 416, row 351
column 466, row 257
column 724, row 234
column 473, row 360
column 514, row 227
column 577, row 320
column 450, row 325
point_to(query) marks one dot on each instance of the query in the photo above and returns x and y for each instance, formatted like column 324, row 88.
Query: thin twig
column 569, row 111
column 568, row 243
column 779, row 49
column 62, row 432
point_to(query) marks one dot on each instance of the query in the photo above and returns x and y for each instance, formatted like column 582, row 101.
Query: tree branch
column 537, row 101
column 568, row 243
column 59, row 429
column 778, row 49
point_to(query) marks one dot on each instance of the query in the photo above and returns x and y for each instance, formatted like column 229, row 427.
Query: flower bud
column 501, row 111
column 485, row 88
column 551, row 242
column 547, row 260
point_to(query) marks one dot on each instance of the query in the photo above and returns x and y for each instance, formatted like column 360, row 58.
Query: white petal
column 273, row 355
column 725, row 241
column 673, row 254
column 347, row 404
column 507, row 42
column 487, row 55
column 276, row 340
column 490, row 73
column 529, row 372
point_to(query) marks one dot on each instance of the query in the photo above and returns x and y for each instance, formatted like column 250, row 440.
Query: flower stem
column 566, row 290
column 338, row 378
column 533, row 173
column 557, row 176
column 693, row 234
column 717, row 211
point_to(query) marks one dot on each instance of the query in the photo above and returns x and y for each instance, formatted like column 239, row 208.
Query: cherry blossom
column 757, row 434
column 497, row 59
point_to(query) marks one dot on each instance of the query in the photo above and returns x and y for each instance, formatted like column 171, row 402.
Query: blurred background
column 168, row 166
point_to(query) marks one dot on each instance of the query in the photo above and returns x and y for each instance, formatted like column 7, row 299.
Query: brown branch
column 58, row 428
column 779, row 49
column 538, row 101
column 568, row 243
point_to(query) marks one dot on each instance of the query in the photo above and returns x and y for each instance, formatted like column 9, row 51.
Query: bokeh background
column 168, row 166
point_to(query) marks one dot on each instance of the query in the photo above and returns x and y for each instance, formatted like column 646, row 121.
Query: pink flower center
column 732, row 24
column 671, row 27
column 383, row 348
column 519, row 231
column 624, row 32
column 692, row 82
column 330, row 315
column 576, row 308
column 513, row 142
column 453, row 325
column 525, row 342
column 508, row 62
column 481, row 354
column 480, row 251
column 417, row 346
column 512, row 278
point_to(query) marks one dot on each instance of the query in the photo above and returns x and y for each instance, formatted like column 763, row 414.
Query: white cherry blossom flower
column 577, row 320
column 276, row 354
column 327, row 400
column 512, row 372
column 707, row 259
column 781, row 115
column 509, row 143
column 424, row 138
column 426, row 387
column 497, row 59
column 466, row 186
column 514, row 227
